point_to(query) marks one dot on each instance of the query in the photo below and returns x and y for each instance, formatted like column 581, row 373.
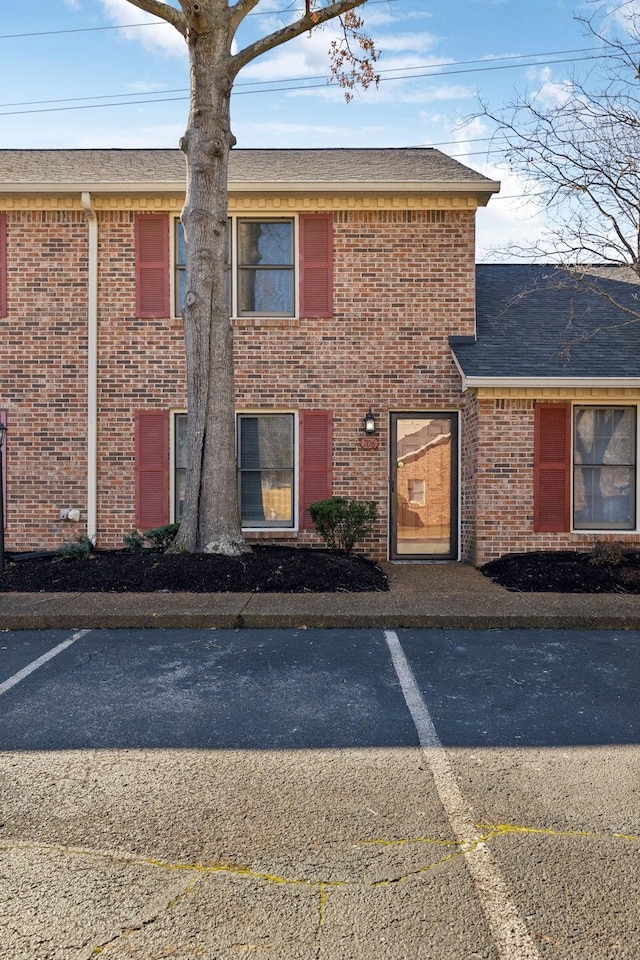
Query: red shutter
column 152, row 468
column 3, row 453
column 316, row 265
column 3, row 264
column 552, row 467
column 152, row 265
column 315, row 460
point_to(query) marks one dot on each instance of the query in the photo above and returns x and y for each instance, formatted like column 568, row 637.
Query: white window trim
column 262, row 216
column 260, row 411
column 256, row 411
column 604, row 531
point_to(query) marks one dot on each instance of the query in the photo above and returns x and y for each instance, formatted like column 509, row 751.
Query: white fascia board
column 483, row 191
column 611, row 383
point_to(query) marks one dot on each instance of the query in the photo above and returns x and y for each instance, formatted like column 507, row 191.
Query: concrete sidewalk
column 446, row 595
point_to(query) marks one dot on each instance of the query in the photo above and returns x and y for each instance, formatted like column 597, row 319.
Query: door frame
column 454, row 493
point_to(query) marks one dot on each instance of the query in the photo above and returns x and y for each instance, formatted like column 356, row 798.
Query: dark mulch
column 263, row 570
column 565, row 572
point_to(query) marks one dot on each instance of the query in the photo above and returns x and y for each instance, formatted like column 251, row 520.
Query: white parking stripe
column 508, row 930
column 21, row 674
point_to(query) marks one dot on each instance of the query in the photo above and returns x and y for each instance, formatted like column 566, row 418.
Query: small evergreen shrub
column 341, row 521
column 607, row 554
column 158, row 538
column 78, row 549
column 134, row 541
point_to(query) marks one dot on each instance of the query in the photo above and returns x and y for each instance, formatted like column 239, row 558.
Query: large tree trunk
column 210, row 523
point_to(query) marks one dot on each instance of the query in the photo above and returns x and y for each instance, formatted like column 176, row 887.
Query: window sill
column 246, row 323
column 277, row 533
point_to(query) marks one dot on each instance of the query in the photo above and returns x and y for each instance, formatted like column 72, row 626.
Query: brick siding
column 403, row 282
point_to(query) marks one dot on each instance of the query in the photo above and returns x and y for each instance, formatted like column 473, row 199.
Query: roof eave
column 611, row 383
column 482, row 190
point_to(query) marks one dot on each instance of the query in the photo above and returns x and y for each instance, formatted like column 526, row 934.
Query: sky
column 80, row 73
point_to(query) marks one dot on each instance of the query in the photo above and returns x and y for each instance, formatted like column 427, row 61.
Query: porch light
column 3, row 430
column 369, row 421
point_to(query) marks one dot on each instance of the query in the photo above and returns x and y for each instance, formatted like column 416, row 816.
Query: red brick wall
column 403, row 282
column 504, row 487
column 43, row 373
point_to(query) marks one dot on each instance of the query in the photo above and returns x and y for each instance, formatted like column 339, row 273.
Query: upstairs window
column 278, row 267
column 265, row 268
column 262, row 268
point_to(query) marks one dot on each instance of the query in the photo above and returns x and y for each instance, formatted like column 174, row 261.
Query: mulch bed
column 565, row 572
column 264, row 569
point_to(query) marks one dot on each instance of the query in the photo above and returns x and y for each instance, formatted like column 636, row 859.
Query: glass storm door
column 424, row 486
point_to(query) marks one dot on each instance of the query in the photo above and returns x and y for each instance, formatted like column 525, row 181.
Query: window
column 266, row 474
column 265, row 281
column 416, row 489
column 266, row 470
column 180, row 464
column 604, row 468
column 180, row 255
column 262, row 280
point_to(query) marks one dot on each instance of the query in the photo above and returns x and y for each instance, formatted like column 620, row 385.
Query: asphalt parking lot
column 319, row 794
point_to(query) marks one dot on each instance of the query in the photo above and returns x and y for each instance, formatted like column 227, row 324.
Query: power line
column 263, row 86
column 158, row 23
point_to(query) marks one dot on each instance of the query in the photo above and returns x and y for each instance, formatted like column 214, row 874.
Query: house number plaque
column 369, row 443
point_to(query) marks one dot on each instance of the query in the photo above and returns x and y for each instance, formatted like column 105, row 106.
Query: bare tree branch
column 163, row 10
column 313, row 17
column 577, row 148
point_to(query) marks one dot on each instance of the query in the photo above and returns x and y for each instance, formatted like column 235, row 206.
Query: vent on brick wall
column 436, row 216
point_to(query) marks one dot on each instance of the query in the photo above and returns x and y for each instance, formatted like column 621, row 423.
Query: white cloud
column 161, row 135
column 161, row 39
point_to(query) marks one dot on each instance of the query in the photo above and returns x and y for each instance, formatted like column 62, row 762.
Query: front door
column 424, row 486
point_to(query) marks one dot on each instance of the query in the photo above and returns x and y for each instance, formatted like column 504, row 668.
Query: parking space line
column 509, row 932
column 31, row 667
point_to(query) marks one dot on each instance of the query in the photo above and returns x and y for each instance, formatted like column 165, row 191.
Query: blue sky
column 109, row 84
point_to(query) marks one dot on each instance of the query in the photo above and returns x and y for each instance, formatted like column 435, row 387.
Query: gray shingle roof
column 393, row 166
column 541, row 322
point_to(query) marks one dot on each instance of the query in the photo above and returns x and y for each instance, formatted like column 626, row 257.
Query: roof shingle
column 538, row 321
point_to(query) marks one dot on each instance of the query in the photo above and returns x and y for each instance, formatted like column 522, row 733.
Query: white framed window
column 262, row 266
column 266, row 469
column 266, row 453
column 604, row 467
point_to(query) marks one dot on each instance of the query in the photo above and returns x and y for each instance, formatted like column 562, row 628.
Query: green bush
column 607, row 554
column 134, row 541
column 158, row 538
column 78, row 549
column 341, row 521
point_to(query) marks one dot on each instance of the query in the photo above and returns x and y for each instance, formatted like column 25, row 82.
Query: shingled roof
column 538, row 324
column 415, row 168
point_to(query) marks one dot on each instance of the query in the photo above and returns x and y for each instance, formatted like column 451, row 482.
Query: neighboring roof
column 407, row 169
column 542, row 325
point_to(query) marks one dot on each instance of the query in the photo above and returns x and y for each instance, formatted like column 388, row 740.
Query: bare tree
column 576, row 144
column 211, row 520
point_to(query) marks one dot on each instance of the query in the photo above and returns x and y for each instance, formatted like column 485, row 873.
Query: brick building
column 352, row 287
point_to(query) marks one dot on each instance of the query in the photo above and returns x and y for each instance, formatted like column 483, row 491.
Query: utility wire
column 262, row 86
column 160, row 22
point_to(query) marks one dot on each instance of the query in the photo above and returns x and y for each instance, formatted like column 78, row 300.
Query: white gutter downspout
column 92, row 370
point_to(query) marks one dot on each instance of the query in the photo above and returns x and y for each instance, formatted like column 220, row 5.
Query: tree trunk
column 211, row 520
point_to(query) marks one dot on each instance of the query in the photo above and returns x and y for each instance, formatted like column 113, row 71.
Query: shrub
column 158, row 538
column 78, row 549
column 341, row 522
column 134, row 541
column 607, row 554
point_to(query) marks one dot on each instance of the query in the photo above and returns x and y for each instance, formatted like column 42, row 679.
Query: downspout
column 92, row 370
